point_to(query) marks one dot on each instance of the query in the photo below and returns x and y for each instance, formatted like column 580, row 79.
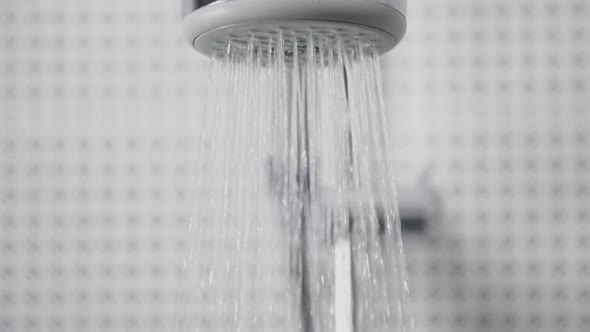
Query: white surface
column 343, row 287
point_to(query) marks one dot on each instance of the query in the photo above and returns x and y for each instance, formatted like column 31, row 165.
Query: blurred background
column 99, row 109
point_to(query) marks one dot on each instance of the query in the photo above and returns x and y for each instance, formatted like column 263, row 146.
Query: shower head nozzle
column 210, row 24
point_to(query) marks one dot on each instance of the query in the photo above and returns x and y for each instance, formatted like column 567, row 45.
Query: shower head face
column 291, row 37
column 210, row 25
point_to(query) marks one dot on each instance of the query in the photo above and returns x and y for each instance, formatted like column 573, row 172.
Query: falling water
column 295, row 226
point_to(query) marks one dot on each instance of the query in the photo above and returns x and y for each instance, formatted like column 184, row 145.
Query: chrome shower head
column 210, row 24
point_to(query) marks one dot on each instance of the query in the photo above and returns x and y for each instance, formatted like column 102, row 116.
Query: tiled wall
column 493, row 98
column 99, row 112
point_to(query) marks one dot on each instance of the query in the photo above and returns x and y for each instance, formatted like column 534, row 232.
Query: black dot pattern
column 99, row 110
column 492, row 97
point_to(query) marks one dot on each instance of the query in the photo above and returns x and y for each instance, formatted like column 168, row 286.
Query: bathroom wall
column 99, row 111
column 492, row 97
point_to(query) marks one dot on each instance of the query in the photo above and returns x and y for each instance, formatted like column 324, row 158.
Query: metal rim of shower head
column 208, row 23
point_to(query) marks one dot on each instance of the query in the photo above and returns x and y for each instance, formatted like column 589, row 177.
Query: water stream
column 295, row 224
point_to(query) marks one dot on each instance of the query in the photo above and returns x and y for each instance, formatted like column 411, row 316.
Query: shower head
column 210, row 24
